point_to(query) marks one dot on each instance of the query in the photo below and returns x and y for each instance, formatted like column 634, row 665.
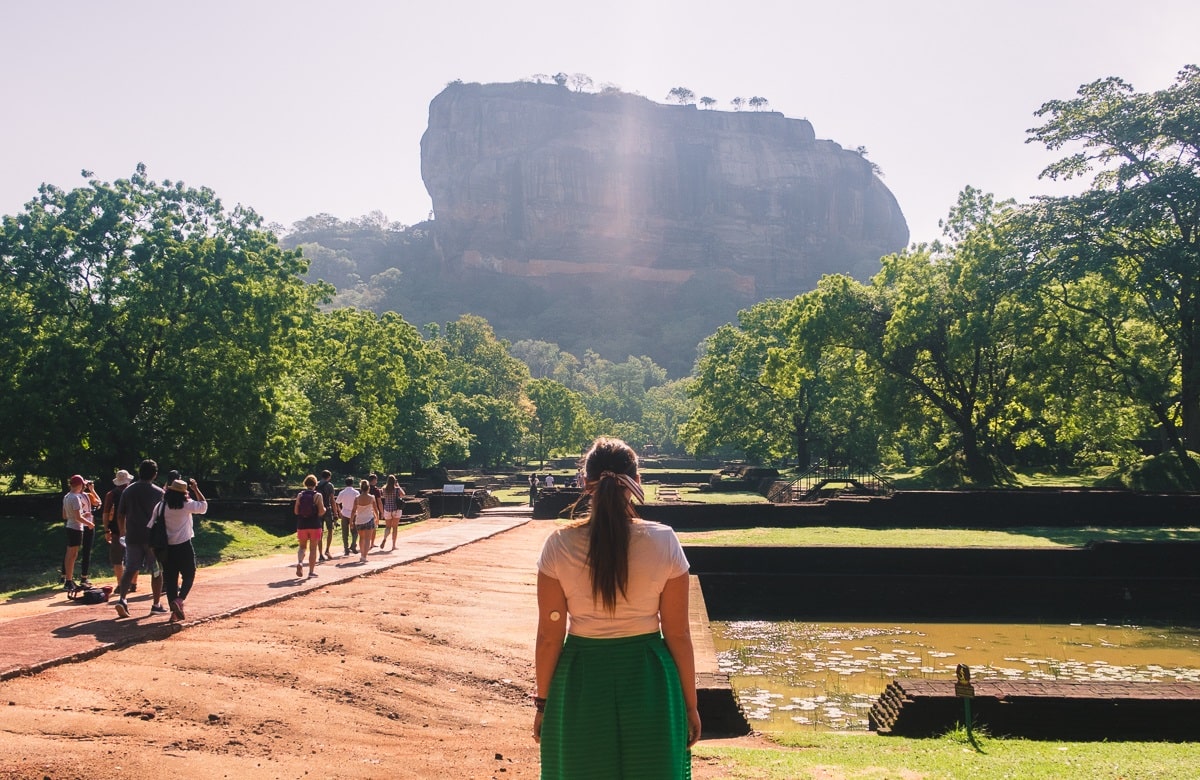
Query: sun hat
column 179, row 486
column 123, row 477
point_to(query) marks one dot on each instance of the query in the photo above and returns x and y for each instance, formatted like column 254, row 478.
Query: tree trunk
column 977, row 465
column 800, row 434
column 1189, row 363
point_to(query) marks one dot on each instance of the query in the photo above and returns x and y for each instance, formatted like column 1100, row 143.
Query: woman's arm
column 198, row 505
column 551, row 631
column 677, row 632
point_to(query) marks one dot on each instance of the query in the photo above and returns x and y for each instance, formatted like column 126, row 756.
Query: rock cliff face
column 537, row 181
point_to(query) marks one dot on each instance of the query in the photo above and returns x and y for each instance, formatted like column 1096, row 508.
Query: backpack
column 90, row 595
column 308, row 504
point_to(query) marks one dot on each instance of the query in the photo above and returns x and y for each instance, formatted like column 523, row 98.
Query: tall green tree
column 664, row 413
column 617, row 391
column 146, row 320
column 560, row 420
column 735, row 407
column 949, row 328
column 772, row 391
column 373, row 384
column 1122, row 259
column 485, row 386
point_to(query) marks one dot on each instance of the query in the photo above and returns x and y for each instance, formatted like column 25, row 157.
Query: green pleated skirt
column 615, row 710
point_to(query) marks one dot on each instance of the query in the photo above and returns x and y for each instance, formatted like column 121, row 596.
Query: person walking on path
column 112, row 529
column 345, row 507
column 533, row 489
column 373, row 489
column 365, row 515
column 309, row 511
column 134, row 511
column 616, row 677
column 81, row 531
column 325, row 488
column 180, row 559
column 392, row 500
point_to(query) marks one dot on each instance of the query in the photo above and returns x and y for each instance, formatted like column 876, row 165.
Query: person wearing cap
column 180, row 559
column 134, row 511
column 81, row 531
column 112, row 528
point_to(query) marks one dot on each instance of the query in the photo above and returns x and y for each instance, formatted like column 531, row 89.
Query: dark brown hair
column 610, row 516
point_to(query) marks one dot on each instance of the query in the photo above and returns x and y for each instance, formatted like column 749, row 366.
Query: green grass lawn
column 929, row 537
column 837, row 755
column 31, row 561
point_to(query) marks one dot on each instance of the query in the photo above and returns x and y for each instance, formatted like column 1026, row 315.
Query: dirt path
column 418, row 671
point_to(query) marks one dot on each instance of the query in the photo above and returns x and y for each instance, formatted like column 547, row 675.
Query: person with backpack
column 309, row 508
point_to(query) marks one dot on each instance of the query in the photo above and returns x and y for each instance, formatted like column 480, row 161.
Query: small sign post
column 461, row 489
column 965, row 691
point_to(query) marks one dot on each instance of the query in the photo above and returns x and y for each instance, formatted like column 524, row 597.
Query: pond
column 791, row 675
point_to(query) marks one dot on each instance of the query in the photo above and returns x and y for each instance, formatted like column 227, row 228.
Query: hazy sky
column 294, row 107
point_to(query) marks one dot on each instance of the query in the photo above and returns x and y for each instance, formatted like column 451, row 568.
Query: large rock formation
column 537, row 181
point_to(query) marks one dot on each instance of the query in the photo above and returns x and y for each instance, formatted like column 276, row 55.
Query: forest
column 143, row 319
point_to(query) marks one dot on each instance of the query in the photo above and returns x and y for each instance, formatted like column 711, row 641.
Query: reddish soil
column 417, row 671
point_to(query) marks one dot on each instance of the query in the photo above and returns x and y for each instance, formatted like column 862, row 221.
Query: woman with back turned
column 617, row 698
column 179, row 558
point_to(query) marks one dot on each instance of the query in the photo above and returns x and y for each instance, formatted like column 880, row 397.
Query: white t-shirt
column 345, row 500
column 655, row 556
column 179, row 521
column 74, row 505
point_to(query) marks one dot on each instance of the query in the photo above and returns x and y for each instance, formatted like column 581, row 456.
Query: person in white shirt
column 180, row 561
column 345, row 505
column 81, row 529
column 616, row 686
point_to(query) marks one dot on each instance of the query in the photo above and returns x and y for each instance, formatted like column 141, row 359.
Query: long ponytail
column 610, row 471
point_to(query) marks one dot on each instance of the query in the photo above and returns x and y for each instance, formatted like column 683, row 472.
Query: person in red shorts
column 309, row 508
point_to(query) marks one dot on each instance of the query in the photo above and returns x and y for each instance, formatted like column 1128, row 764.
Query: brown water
column 827, row 675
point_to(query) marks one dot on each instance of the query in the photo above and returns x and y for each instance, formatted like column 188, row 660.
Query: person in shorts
column 112, row 529
column 392, row 497
column 365, row 515
column 137, row 506
column 310, row 513
column 374, row 490
column 81, row 530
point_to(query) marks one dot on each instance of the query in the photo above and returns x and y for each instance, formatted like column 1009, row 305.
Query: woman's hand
column 693, row 717
column 537, row 726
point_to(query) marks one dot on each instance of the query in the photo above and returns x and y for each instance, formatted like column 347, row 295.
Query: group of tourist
column 361, row 511
column 130, row 512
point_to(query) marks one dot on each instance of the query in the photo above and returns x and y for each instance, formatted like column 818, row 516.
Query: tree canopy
column 144, row 318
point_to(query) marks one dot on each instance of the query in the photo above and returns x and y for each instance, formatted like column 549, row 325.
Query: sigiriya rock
column 541, row 182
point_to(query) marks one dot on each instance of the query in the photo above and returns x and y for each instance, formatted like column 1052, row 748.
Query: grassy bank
column 31, row 560
column 836, row 755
